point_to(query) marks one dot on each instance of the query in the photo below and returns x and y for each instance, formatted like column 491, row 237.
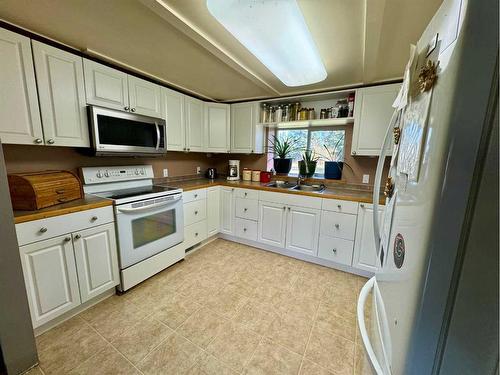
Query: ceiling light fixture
column 276, row 33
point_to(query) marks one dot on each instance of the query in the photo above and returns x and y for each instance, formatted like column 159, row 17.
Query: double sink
column 286, row 185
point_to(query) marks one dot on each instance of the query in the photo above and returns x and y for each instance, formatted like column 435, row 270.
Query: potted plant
column 307, row 166
column 283, row 149
column 334, row 163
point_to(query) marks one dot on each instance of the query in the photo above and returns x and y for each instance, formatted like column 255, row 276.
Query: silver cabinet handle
column 196, row 212
column 50, row 141
column 43, row 230
column 196, row 234
column 337, row 226
column 244, row 229
column 78, row 236
column 284, row 208
column 246, row 194
column 334, row 250
column 93, row 218
column 232, row 189
column 132, row 109
column 362, row 205
column 38, row 141
column 339, row 206
column 245, row 209
column 184, row 149
column 67, row 239
column 288, row 208
column 196, row 195
column 353, row 153
column 126, row 108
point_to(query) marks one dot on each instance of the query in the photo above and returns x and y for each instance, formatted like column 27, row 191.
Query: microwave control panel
column 98, row 175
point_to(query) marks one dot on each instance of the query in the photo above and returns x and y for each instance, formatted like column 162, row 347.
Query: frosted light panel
column 276, row 33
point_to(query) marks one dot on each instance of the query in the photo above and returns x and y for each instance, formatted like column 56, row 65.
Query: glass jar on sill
column 264, row 113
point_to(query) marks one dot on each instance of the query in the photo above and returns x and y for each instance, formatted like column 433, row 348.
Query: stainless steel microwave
column 119, row 133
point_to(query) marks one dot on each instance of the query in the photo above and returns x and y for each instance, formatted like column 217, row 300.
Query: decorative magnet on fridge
column 389, row 188
column 427, row 76
column 397, row 134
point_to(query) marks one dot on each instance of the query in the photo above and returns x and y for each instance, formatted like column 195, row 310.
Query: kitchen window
column 313, row 139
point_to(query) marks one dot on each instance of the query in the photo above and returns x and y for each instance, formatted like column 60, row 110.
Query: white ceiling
column 180, row 43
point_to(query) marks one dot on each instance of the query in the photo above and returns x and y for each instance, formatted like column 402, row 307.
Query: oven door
column 146, row 228
column 126, row 133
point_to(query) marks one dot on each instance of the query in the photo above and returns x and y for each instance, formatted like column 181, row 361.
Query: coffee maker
column 233, row 173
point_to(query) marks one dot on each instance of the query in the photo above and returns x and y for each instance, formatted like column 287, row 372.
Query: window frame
column 308, row 143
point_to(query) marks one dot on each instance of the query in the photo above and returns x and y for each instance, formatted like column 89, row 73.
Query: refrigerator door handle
column 378, row 180
column 363, row 295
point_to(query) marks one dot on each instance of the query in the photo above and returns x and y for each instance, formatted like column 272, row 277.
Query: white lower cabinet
column 213, row 210
column 227, row 210
column 245, row 229
column 77, row 262
column 272, row 224
column 365, row 257
column 51, row 279
column 335, row 249
column 96, row 260
column 302, row 229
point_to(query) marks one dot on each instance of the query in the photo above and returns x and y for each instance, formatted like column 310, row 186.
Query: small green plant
column 309, row 156
column 284, row 148
column 334, row 154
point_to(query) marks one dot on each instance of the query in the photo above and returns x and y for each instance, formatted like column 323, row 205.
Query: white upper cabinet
column 372, row 113
column 144, row 97
column 246, row 135
column 217, row 127
column 105, row 86
column 59, row 76
column 302, row 229
column 19, row 113
column 173, row 106
column 194, row 124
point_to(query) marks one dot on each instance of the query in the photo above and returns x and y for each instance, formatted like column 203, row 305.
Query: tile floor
column 226, row 309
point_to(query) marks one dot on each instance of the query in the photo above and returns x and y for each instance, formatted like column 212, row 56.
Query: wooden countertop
column 88, row 202
column 343, row 192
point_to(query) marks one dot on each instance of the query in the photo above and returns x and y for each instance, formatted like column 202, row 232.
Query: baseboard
column 297, row 255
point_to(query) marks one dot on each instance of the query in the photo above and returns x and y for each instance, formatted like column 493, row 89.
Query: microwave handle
column 157, row 136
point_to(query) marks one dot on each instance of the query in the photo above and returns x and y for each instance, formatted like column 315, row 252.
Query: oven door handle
column 157, row 136
column 148, row 207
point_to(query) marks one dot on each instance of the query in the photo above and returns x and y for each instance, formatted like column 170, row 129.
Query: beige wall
column 37, row 158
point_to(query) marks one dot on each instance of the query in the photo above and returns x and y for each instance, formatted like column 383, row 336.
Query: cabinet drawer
column 247, row 193
column 246, row 229
column 42, row 229
column 195, row 233
column 338, row 225
column 195, row 211
column 336, row 205
column 336, row 249
column 290, row 199
column 247, row 208
column 194, row 195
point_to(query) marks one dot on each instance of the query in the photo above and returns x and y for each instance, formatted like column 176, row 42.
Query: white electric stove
column 149, row 219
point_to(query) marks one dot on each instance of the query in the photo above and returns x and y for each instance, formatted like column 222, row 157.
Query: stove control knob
column 137, row 172
column 142, row 171
column 98, row 174
column 106, row 174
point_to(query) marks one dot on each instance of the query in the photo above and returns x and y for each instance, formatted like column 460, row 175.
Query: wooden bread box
column 36, row 190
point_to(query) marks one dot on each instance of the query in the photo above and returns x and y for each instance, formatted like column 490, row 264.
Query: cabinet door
column 217, row 127
column 144, row 97
column 227, row 210
column 105, row 86
column 173, row 106
column 302, row 229
column 365, row 257
column 194, row 124
column 213, row 210
column 19, row 113
column 372, row 113
column 50, row 277
column 96, row 260
column 59, row 76
column 242, row 123
column 272, row 224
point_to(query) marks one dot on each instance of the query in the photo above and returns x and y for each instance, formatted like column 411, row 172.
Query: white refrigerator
column 444, row 126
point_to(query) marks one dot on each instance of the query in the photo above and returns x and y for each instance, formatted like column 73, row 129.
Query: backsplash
column 24, row 158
